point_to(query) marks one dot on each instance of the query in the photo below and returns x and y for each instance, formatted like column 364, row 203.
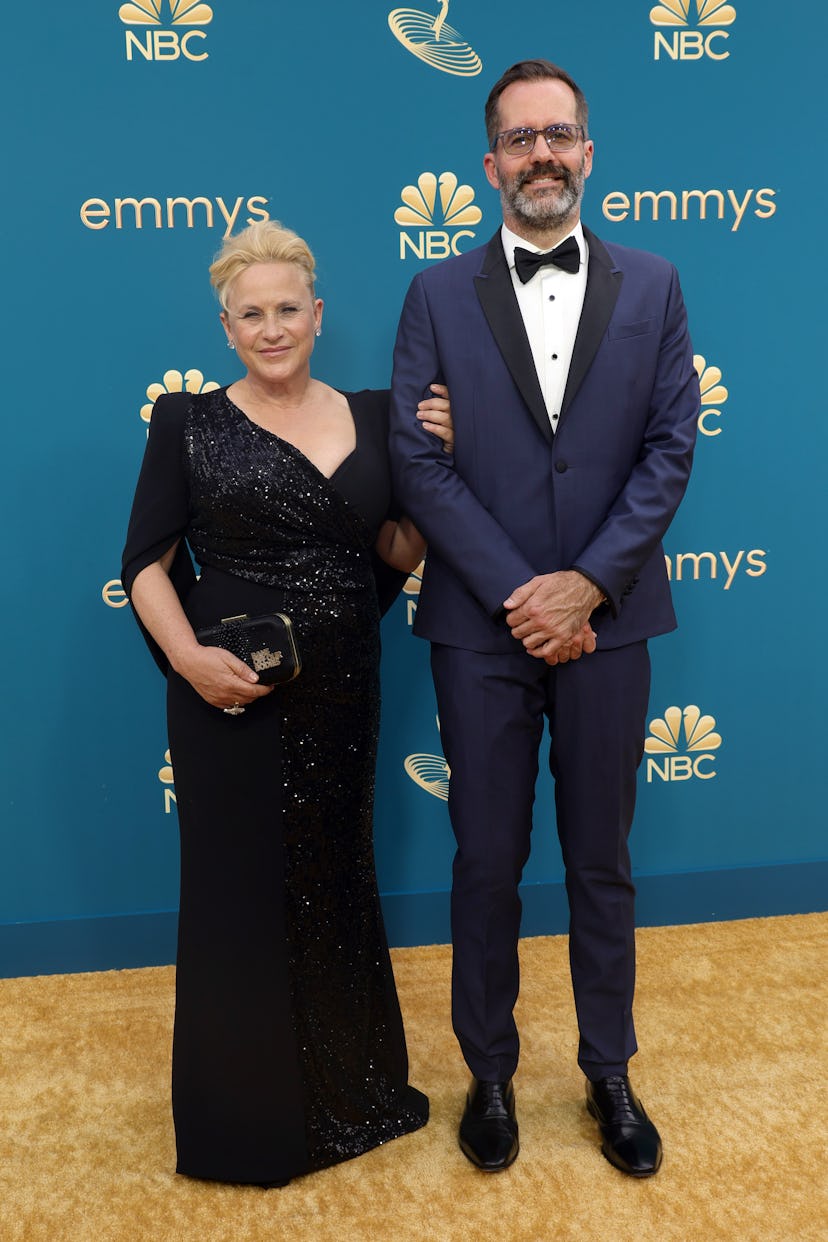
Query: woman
column 288, row 1051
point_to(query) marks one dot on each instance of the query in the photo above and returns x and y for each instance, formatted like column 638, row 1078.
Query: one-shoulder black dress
column 289, row 1052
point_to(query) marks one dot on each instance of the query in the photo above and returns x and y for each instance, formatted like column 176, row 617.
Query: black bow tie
column 566, row 256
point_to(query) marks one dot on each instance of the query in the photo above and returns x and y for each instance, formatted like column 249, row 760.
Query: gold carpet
column 731, row 1021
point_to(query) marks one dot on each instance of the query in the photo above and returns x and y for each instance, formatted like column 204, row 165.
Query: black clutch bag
column 266, row 643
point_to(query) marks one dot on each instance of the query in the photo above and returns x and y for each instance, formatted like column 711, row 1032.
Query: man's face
column 542, row 190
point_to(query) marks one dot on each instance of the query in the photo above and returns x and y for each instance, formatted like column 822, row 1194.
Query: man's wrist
column 596, row 591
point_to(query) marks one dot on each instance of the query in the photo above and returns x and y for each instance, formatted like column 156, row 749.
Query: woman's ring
column 235, row 710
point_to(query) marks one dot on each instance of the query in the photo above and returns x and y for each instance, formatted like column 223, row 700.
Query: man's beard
column 548, row 209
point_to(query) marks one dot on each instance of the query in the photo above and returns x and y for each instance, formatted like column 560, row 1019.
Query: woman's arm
column 217, row 675
column 400, row 545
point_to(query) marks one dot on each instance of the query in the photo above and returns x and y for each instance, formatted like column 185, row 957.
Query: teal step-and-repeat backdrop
column 138, row 135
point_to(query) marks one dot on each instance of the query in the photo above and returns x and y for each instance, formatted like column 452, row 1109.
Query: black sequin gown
column 288, row 1052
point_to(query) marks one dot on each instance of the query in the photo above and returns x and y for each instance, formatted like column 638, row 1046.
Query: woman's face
column 272, row 320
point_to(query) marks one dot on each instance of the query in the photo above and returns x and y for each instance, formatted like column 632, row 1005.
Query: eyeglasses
column 522, row 141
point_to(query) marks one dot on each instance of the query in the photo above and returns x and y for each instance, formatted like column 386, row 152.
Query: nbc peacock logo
column 713, row 395
column 155, row 42
column 174, row 381
column 684, row 730
column 432, row 40
column 167, row 779
column 420, row 212
column 430, row 772
column 683, row 43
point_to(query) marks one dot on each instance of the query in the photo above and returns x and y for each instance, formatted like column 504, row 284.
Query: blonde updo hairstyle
column 266, row 241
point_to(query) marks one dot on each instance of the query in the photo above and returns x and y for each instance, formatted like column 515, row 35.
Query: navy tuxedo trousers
column 492, row 711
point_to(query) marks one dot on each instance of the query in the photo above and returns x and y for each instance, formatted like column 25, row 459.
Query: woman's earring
column 231, row 344
column 318, row 331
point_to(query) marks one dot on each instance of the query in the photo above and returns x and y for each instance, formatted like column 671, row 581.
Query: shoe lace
column 491, row 1097
column 621, row 1096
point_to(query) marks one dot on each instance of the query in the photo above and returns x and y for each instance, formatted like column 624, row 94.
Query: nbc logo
column 684, row 44
column 165, row 776
column 432, row 40
column 713, row 393
column 157, row 44
column 418, row 212
column 174, row 381
column 430, row 772
column 665, row 740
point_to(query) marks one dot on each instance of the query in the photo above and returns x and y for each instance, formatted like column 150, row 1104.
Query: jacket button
column 561, row 467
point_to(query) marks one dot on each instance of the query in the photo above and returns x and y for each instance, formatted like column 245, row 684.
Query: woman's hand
column 222, row 679
column 435, row 415
column 219, row 677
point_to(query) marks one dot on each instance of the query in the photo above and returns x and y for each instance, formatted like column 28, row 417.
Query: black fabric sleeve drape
column 161, row 509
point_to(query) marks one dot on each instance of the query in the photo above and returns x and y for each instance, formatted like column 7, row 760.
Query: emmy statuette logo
column 157, row 44
column 165, row 776
column 685, row 44
column 430, row 772
column 687, row 731
column 174, row 381
column 713, row 393
column 432, row 40
column 418, row 211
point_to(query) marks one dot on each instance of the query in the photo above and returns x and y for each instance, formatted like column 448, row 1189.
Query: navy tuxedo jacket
column 515, row 501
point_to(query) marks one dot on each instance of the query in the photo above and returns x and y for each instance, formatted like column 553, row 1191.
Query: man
column 575, row 402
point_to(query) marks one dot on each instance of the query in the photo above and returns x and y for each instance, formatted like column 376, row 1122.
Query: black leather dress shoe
column 630, row 1140
column 489, row 1129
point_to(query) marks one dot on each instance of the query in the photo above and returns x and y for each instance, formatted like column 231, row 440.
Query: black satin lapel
column 603, row 286
column 497, row 298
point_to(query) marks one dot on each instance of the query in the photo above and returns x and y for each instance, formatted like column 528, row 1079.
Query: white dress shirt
column 551, row 304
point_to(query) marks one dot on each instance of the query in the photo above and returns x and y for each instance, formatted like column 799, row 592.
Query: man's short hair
column 532, row 71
